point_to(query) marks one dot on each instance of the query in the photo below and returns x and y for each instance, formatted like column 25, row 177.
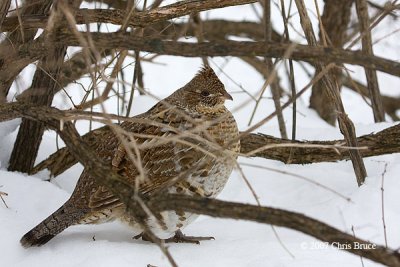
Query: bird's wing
column 165, row 158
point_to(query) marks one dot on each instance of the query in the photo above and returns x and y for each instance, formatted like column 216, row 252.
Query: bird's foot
column 179, row 237
column 138, row 236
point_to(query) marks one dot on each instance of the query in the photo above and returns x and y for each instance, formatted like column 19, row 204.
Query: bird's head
column 205, row 93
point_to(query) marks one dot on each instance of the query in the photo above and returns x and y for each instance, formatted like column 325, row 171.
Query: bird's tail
column 57, row 222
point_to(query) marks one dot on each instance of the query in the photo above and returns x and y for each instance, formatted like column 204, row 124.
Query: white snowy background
column 237, row 243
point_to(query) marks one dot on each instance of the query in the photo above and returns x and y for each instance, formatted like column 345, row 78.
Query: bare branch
column 278, row 217
column 390, row 104
column 216, row 208
column 44, row 84
column 220, row 48
column 332, row 90
column 372, row 79
column 139, row 19
column 2, row 199
column 11, row 66
column 332, row 32
column 386, row 141
column 4, row 6
column 276, row 96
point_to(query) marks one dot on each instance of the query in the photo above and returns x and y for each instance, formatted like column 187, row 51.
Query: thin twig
column 291, row 72
column 2, row 199
column 253, row 192
column 105, row 175
column 301, row 92
column 300, row 177
column 354, row 234
column 134, row 79
column 334, row 147
column 198, row 25
column 383, row 205
column 273, row 74
column 104, row 96
column 20, row 20
column 134, row 158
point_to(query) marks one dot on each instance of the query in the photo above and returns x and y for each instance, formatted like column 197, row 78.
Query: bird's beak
column 226, row 96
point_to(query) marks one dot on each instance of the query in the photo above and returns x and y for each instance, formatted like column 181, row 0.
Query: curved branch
column 277, row 217
column 118, row 16
column 216, row 208
column 220, row 48
column 84, row 16
column 384, row 142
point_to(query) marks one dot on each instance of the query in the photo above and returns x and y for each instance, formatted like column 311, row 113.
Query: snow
column 237, row 243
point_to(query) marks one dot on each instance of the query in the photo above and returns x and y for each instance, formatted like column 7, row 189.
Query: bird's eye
column 205, row 93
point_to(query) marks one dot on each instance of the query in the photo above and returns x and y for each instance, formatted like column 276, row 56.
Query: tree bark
column 162, row 201
column 335, row 20
column 10, row 66
column 44, row 85
column 386, row 141
column 219, row 48
column 372, row 78
column 139, row 19
column 304, row 152
column 332, row 90
column 4, row 6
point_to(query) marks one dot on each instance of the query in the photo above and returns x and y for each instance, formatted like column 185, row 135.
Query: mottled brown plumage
column 187, row 144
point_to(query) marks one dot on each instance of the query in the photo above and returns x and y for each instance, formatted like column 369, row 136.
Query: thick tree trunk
column 10, row 67
column 335, row 19
column 30, row 132
column 42, row 90
column 4, row 6
column 25, row 148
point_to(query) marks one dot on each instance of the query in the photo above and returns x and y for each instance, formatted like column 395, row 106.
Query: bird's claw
column 179, row 237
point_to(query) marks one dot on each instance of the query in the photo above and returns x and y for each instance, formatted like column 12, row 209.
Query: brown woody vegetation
column 153, row 31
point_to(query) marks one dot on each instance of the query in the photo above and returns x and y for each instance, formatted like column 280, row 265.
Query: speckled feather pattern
column 200, row 135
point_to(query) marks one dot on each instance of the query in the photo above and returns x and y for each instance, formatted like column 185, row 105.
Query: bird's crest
column 206, row 72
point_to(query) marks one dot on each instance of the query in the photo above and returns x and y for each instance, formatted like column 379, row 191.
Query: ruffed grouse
column 190, row 133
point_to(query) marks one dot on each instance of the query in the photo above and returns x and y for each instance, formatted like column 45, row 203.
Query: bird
column 187, row 143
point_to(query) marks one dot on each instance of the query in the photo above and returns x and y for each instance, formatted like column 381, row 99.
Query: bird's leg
column 179, row 237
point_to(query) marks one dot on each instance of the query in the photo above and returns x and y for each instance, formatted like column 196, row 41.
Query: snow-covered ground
column 237, row 243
